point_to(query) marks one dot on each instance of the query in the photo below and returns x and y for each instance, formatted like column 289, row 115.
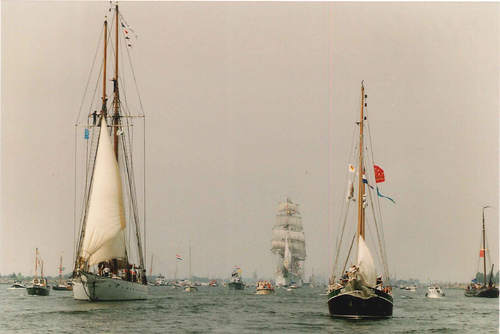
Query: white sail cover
column 365, row 264
column 104, row 236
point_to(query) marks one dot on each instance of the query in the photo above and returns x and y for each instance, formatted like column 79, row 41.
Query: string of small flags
column 128, row 32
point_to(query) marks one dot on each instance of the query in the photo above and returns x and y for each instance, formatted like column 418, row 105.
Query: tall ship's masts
column 110, row 204
column 288, row 243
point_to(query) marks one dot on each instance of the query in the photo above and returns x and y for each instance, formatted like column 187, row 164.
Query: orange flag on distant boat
column 481, row 253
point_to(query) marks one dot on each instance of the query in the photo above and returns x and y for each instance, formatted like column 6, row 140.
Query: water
column 219, row 310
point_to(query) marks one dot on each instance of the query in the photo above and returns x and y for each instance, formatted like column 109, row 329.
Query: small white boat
column 412, row 288
column 434, row 292
column 17, row 285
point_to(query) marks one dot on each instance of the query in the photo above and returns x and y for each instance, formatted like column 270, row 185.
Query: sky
column 247, row 103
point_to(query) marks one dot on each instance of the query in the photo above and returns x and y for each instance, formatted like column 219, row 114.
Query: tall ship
column 288, row 245
column 359, row 286
column 487, row 289
column 109, row 255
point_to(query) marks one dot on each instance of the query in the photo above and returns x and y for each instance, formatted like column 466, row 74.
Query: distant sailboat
column 103, row 268
column 61, row 286
column 288, row 243
column 190, row 286
column 38, row 286
column 359, row 292
column 488, row 290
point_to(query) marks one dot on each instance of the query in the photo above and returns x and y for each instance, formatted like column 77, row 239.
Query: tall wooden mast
column 361, row 185
column 104, row 98
column 36, row 263
column 116, row 100
column 484, row 247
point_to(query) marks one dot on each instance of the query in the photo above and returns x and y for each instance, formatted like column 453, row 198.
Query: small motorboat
column 17, row 285
column 434, row 291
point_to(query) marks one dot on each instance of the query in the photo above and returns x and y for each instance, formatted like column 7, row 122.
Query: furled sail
column 104, row 231
column 365, row 264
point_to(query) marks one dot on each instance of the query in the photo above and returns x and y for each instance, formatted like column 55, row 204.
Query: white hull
column 95, row 288
column 284, row 282
column 434, row 293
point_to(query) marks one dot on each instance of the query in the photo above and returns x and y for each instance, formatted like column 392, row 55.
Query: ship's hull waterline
column 236, row 286
column 354, row 306
column 90, row 287
column 484, row 292
column 38, row 291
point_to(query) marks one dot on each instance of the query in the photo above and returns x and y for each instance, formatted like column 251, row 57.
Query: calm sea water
column 218, row 310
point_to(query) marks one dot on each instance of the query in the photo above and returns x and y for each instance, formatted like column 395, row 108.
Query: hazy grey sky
column 249, row 102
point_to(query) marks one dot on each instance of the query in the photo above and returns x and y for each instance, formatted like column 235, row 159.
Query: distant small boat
column 434, row 291
column 236, row 283
column 474, row 289
column 190, row 287
column 264, row 288
column 160, row 281
column 411, row 288
column 17, row 285
column 62, row 286
column 213, row 283
column 38, row 286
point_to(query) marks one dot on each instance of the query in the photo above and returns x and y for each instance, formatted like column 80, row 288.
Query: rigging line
column 343, row 206
column 348, row 254
column 86, row 201
column 144, row 183
column 135, row 82
column 377, row 199
column 380, row 238
column 89, row 76
column 337, row 255
column 381, row 249
column 129, row 168
column 74, row 188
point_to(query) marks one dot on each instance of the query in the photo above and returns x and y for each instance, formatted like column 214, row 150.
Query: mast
column 151, row 266
column 361, row 185
column 484, row 248
column 190, row 260
column 116, row 102
column 60, row 270
column 36, row 263
column 104, row 98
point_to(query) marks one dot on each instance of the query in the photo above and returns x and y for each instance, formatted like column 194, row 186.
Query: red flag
column 379, row 174
column 481, row 253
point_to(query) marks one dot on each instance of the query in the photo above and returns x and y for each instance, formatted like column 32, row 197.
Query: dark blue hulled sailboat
column 487, row 290
column 359, row 292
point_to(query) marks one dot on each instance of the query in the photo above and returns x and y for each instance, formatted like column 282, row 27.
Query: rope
column 89, row 76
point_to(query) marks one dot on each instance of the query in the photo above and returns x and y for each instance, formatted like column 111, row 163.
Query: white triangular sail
column 365, row 264
column 104, row 238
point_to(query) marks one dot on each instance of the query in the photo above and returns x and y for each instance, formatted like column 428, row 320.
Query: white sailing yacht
column 104, row 269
